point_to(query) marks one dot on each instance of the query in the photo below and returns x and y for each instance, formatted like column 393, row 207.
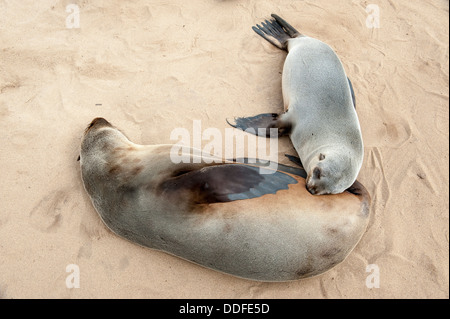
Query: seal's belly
column 280, row 237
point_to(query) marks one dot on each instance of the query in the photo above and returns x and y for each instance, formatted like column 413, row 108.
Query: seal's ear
column 317, row 172
column 321, row 157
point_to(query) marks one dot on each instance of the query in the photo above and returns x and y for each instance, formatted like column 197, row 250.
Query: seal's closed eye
column 317, row 173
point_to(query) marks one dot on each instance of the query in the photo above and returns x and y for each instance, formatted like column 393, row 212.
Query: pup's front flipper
column 261, row 124
column 294, row 159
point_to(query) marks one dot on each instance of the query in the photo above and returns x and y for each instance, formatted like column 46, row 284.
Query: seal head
column 328, row 175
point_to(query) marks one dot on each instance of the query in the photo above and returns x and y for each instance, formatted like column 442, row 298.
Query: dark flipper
column 225, row 183
column 273, row 33
column 277, row 31
column 264, row 121
column 353, row 93
column 298, row 171
column 293, row 33
column 294, row 159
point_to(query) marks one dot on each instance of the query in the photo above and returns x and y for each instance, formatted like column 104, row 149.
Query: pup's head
column 329, row 175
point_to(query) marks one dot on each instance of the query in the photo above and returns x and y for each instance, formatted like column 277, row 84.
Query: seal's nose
column 312, row 189
column 97, row 123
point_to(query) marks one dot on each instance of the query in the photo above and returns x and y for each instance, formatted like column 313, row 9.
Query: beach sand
column 152, row 66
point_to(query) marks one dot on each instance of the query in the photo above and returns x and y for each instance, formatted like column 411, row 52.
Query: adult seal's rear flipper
column 262, row 124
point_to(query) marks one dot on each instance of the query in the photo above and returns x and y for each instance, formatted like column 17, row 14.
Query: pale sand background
column 158, row 65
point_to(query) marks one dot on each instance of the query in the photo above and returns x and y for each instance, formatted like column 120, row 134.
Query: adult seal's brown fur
column 319, row 110
column 225, row 216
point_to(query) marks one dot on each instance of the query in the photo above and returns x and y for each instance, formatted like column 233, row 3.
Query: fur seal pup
column 319, row 115
column 225, row 216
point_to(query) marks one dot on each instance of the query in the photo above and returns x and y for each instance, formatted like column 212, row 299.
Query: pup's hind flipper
column 293, row 33
column 273, row 33
column 277, row 31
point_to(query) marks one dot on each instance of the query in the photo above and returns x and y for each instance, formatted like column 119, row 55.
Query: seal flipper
column 277, row 31
column 293, row 33
column 225, row 183
column 294, row 159
column 264, row 121
column 298, row 171
column 273, row 33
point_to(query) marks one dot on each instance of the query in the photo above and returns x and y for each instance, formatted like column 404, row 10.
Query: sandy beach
column 152, row 66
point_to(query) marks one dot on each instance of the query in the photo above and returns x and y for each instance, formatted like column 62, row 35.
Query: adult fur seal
column 319, row 109
column 225, row 216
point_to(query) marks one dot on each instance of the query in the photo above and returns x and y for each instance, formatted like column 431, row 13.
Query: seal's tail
column 277, row 31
